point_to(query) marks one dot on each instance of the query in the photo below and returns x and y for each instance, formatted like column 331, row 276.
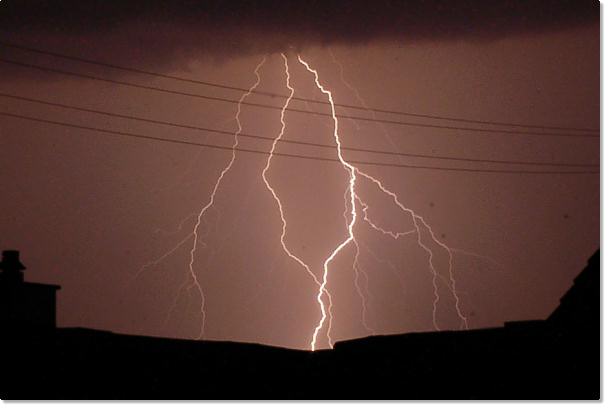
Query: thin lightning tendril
column 162, row 257
column 193, row 276
column 418, row 221
column 395, row 235
column 390, row 265
column 177, row 229
column 357, row 272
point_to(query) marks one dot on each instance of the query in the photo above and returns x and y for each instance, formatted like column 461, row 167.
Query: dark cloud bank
column 170, row 32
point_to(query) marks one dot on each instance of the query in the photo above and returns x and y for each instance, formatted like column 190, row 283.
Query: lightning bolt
column 351, row 170
column 305, row 266
column 194, row 281
column 355, row 209
column 419, row 225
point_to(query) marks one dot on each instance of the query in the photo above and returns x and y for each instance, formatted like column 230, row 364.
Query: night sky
column 94, row 212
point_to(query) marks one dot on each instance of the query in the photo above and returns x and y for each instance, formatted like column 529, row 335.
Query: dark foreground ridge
column 557, row 358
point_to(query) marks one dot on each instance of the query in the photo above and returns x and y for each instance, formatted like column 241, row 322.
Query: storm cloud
column 161, row 34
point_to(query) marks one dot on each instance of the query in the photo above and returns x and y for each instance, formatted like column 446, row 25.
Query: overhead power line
column 290, row 141
column 274, row 107
column 270, row 94
column 289, row 155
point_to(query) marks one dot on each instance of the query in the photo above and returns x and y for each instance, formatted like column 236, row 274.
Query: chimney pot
column 10, row 265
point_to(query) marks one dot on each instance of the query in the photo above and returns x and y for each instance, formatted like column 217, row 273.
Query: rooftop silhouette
column 556, row 358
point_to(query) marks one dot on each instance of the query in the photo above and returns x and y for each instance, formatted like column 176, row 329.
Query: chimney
column 11, row 268
column 24, row 305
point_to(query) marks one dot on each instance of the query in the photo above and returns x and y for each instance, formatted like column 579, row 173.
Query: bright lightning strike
column 418, row 222
column 278, row 201
column 352, row 194
column 355, row 208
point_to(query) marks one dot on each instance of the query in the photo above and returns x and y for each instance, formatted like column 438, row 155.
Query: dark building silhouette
column 24, row 305
column 579, row 307
column 556, row 358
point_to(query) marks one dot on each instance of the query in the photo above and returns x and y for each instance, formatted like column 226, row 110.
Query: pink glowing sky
column 88, row 211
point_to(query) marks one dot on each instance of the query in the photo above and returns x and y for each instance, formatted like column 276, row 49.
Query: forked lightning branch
column 355, row 212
